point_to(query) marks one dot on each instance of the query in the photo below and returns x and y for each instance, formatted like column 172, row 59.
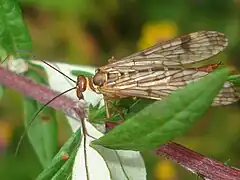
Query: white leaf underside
column 104, row 163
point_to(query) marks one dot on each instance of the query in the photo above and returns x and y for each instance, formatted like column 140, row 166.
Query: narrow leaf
column 84, row 73
column 163, row 120
column 235, row 79
column 61, row 168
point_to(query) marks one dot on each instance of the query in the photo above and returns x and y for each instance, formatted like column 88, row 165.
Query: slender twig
column 190, row 160
column 42, row 93
column 199, row 164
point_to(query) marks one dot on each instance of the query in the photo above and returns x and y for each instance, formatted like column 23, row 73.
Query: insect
column 156, row 72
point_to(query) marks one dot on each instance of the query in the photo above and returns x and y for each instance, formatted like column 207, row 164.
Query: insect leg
column 109, row 103
column 106, row 101
column 112, row 59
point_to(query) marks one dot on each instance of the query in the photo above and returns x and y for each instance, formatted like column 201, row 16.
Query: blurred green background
column 90, row 32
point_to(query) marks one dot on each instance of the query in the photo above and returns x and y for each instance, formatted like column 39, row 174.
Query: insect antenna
column 5, row 59
column 34, row 117
column 58, row 71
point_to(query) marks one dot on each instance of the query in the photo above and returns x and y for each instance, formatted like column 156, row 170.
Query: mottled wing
column 150, row 84
column 187, row 49
column 227, row 95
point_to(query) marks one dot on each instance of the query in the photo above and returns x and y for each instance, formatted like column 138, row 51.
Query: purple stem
column 203, row 166
column 42, row 93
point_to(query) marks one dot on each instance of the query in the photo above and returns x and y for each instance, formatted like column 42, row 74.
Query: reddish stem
column 205, row 167
column 190, row 160
column 41, row 93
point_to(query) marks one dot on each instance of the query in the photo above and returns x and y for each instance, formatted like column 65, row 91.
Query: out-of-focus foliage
column 90, row 32
column 13, row 34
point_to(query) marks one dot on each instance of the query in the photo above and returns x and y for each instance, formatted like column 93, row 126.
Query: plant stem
column 199, row 164
column 42, row 93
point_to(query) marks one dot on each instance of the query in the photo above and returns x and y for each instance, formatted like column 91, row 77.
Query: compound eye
column 81, row 83
column 99, row 79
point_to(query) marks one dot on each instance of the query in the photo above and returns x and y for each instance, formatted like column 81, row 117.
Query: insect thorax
column 99, row 78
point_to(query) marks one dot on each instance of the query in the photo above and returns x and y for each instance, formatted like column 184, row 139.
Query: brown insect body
column 156, row 72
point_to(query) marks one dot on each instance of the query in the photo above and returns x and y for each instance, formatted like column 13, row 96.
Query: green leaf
column 235, row 79
column 60, row 168
column 43, row 131
column 96, row 114
column 134, row 106
column 78, row 72
column 127, row 107
column 163, row 120
column 13, row 33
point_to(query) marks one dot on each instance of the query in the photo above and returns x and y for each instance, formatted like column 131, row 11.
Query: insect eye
column 99, row 79
column 81, row 83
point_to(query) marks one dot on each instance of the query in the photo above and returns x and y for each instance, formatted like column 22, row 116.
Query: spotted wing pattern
column 187, row 49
